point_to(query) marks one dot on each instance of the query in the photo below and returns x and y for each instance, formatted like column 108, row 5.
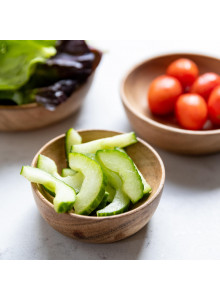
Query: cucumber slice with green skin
column 91, row 156
column 67, row 172
column 147, row 188
column 111, row 193
column 119, row 205
column 122, row 164
column 72, row 137
column 75, row 180
column 65, row 195
column 120, row 202
column 49, row 166
column 122, row 140
column 93, row 186
column 104, row 202
column 49, row 191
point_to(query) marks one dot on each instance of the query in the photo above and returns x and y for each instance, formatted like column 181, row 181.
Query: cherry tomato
column 185, row 70
column 214, row 106
column 191, row 111
column 205, row 83
column 163, row 93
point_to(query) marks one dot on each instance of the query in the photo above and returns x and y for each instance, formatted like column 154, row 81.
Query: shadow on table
column 55, row 246
column 22, row 146
column 192, row 172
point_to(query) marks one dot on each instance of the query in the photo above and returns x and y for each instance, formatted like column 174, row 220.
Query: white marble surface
column 186, row 224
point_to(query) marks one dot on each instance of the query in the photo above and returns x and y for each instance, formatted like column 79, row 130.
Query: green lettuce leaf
column 19, row 58
column 16, row 96
column 53, row 81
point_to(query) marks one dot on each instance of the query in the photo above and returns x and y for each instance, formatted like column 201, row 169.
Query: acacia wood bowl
column 33, row 116
column 164, row 132
column 103, row 229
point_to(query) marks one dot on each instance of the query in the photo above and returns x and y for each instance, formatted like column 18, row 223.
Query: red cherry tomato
column 163, row 93
column 214, row 106
column 205, row 83
column 191, row 111
column 185, row 70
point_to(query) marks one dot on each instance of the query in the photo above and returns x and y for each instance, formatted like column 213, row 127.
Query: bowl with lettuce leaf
column 43, row 81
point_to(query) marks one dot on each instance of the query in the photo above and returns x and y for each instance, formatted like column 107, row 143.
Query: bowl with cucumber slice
column 98, row 186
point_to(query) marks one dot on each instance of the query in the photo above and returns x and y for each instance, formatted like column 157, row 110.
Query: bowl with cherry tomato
column 173, row 102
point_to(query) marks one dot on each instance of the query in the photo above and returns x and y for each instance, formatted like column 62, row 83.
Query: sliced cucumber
column 72, row 137
column 104, row 202
column 122, row 140
column 67, row 172
column 91, row 156
column 74, row 181
column 120, row 202
column 65, row 195
column 48, row 165
column 111, row 193
column 49, row 191
column 119, row 205
column 93, row 186
column 147, row 188
column 123, row 165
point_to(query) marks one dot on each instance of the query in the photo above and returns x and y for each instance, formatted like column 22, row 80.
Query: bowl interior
column 136, row 84
column 146, row 159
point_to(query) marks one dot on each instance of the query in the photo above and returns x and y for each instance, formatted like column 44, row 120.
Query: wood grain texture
column 103, row 229
column 33, row 116
column 165, row 132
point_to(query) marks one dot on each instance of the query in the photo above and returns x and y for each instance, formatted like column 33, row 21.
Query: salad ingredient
column 53, row 95
column 48, row 165
column 122, row 140
column 74, row 47
column 191, row 111
column 71, row 138
column 205, row 83
column 51, row 79
column 123, row 165
column 121, row 201
column 68, row 172
column 119, row 205
column 111, row 192
column 18, row 60
column 93, row 186
column 104, row 202
column 147, row 188
column 185, row 70
column 65, row 196
column 163, row 93
column 214, row 106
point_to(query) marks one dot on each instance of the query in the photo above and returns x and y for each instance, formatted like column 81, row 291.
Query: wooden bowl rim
column 20, row 107
column 89, row 218
column 127, row 104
